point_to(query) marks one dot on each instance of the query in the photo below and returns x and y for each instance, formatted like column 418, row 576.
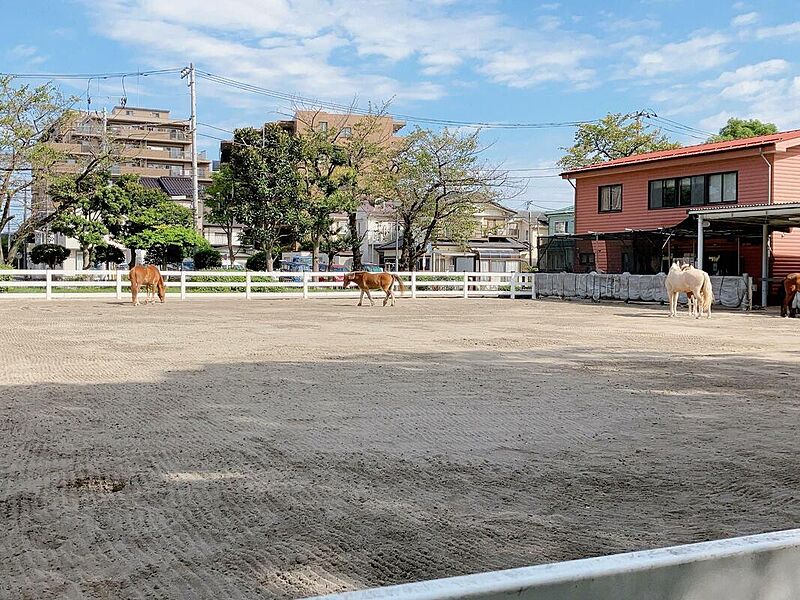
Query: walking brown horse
column 150, row 277
column 791, row 287
column 373, row 281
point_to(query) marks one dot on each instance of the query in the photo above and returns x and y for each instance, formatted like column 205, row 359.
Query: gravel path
column 280, row 449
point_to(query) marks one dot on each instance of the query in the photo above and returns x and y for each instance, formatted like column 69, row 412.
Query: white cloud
column 790, row 30
column 702, row 51
column 339, row 48
column 25, row 55
column 745, row 19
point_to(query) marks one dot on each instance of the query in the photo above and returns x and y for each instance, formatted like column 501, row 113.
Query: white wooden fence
column 756, row 567
column 50, row 284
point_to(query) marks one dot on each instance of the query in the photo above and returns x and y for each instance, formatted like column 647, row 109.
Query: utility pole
column 198, row 217
column 396, row 242
column 104, row 137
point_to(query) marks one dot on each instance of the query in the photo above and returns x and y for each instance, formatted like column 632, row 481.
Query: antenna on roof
column 124, row 100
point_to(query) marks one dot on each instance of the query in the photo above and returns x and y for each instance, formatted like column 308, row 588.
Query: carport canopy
column 770, row 217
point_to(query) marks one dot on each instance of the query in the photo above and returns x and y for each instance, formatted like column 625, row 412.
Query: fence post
column 48, row 286
column 533, row 286
column 413, row 284
column 248, row 278
column 514, row 285
column 466, row 285
column 305, row 285
column 118, row 276
column 183, row 285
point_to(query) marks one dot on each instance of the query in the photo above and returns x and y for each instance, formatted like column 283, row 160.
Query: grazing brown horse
column 150, row 277
column 373, row 281
column 791, row 287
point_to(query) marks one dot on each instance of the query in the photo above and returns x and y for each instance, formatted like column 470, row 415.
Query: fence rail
column 52, row 284
column 756, row 567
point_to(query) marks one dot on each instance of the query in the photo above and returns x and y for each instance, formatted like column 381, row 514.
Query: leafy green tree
column 109, row 255
column 260, row 261
column 265, row 185
column 221, row 205
column 325, row 185
column 93, row 208
column 615, row 136
column 29, row 118
column 49, row 254
column 335, row 242
column 434, row 184
column 736, row 129
column 207, row 258
column 156, row 224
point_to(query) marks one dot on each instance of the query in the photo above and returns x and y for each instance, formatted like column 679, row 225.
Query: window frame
column 706, row 184
column 346, row 132
column 600, row 189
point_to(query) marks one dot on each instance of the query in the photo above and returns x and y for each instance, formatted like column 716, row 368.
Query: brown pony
column 373, row 281
column 150, row 277
column 791, row 287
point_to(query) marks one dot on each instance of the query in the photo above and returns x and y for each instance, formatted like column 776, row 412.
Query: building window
column 347, row 132
column 696, row 190
column 323, row 126
column 156, row 114
column 610, row 198
column 129, row 113
column 560, row 227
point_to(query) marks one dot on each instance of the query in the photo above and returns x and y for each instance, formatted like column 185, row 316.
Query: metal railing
column 49, row 284
column 756, row 567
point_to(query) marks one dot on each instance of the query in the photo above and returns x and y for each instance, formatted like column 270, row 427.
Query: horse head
column 347, row 280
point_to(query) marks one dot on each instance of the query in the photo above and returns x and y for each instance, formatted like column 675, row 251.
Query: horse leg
column 371, row 302
column 673, row 301
column 787, row 308
column 386, row 299
column 135, row 293
column 361, row 298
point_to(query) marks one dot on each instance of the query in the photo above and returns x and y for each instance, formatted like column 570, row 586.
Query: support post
column 764, row 264
column 183, row 285
column 119, row 284
column 248, row 285
column 466, row 285
column 413, row 284
column 196, row 210
column 699, row 260
column 305, row 285
column 48, row 286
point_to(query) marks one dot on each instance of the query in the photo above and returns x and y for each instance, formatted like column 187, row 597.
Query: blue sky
column 694, row 62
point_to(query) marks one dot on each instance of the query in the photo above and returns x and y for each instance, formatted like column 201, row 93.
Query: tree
column 207, row 258
column 93, row 207
column 434, row 184
column 109, row 255
column 325, row 184
column 615, row 136
column 334, row 242
column 221, row 205
column 736, row 129
column 29, row 116
column 156, row 224
column 49, row 254
column 265, row 185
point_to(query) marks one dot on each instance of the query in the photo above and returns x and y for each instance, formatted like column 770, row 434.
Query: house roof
column 172, row 186
column 686, row 151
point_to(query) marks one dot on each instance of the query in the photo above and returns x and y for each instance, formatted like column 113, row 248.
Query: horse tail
column 399, row 282
column 706, row 291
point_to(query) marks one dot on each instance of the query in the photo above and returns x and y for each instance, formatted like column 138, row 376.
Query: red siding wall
column 786, row 252
column 786, row 177
column 753, row 182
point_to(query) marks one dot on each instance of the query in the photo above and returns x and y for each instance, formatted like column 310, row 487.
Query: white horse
column 706, row 295
column 689, row 280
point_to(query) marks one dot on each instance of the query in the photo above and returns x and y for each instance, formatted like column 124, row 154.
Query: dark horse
column 373, row 281
column 150, row 277
column 791, row 286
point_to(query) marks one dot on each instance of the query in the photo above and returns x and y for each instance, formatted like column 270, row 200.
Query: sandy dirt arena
column 281, row 449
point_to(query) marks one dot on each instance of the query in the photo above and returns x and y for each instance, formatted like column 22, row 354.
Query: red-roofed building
column 638, row 213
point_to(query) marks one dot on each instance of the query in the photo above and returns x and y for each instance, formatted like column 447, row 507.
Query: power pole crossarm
column 198, row 217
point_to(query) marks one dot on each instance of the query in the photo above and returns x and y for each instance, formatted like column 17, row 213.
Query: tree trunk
column 231, row 255
column 315, row 255
column 132, row 262
column 87, row 257
column 407, row 250
column 352, row 222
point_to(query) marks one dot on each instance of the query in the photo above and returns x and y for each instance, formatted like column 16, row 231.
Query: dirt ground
column 281, row 449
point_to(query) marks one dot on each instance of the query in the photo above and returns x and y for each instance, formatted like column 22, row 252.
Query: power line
column 90, row 75
column 220, row 80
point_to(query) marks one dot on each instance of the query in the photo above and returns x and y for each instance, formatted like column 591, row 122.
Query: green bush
column 49, row 254
column 258, row 262
column 207, row 258
column 4, row 267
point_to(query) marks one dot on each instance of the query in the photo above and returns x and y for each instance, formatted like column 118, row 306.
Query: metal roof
column 776, row 215
column 686, row 151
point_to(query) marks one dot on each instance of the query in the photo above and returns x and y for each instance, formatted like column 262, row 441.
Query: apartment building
column 146, row 142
